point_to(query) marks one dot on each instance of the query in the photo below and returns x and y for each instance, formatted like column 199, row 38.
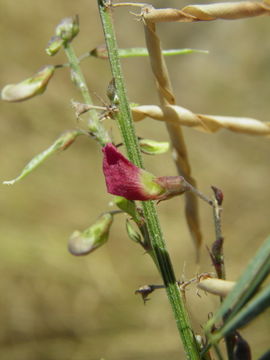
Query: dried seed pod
column 207, row 123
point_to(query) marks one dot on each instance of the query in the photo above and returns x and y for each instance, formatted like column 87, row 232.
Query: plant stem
column 94, row 124
column 218, row 261
column 161, row 256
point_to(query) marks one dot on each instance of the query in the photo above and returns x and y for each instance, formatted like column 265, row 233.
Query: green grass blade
column 253, row 308
column 251, row 279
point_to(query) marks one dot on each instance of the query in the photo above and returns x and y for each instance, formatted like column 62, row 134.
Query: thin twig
column 94, row 124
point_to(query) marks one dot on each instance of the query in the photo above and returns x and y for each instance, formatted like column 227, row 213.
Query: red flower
column 125, row 179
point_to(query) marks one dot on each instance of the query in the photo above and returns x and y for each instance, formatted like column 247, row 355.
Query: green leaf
column 245, row 288
column 63, row 142
column 253, row 308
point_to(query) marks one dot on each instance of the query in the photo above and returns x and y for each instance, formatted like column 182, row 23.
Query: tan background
column 55, row 306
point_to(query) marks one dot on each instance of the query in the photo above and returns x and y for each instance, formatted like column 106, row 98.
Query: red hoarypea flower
column 125, row 179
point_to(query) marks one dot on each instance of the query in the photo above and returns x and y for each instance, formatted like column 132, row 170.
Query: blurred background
column 56, row 306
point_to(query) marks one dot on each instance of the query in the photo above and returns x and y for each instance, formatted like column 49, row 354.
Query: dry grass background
column 54, row 306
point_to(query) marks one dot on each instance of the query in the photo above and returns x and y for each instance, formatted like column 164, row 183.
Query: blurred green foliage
column 55, row 306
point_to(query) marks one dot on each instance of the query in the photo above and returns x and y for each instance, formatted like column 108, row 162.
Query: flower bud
column 68, row 28
column 30, row 87
column 133, row 234
column 216, row 286
column 151, row 147
column 82, row 243
column 125, row 179
column 218, row 195
column 54, row 45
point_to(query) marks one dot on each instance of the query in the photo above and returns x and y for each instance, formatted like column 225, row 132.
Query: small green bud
column 68, row 28
column 54, row 45
column 82, row 243
column 30, row 87
column 152, row 147
column 133, row 235
column 111, row 92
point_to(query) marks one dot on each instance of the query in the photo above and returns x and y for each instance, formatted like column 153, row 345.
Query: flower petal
column 125, row 179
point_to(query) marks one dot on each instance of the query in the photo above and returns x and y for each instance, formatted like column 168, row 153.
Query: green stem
column 94, row 124
column 161, row 256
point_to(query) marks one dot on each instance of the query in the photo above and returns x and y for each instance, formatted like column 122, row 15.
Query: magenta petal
column 121, row 176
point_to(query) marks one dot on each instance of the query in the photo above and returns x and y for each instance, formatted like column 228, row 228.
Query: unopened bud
column 54, row 45
column 82, row 243
column 68, row 28
column 216, row 286
column 152, row 147
column 133, row 234
column 111, row 92
column 218, row 195
column 30, row 87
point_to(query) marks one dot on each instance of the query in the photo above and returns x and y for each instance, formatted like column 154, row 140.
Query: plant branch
column 94, row 124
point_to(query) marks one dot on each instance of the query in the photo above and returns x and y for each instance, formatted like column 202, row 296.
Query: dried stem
column 217, row 257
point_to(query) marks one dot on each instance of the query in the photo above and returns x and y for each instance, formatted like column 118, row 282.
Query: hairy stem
column 94, row 124
column 161, row 255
